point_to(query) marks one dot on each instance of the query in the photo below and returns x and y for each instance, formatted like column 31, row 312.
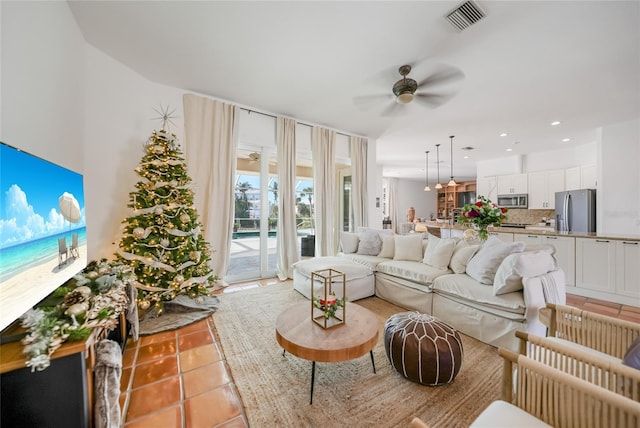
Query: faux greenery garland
column 94, row 298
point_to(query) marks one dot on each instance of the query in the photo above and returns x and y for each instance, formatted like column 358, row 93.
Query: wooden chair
column 606, row 372
column 563, row 400
column 604, row 334
column 62, row 251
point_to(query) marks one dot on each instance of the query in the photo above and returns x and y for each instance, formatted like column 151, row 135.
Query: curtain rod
column 275, row 117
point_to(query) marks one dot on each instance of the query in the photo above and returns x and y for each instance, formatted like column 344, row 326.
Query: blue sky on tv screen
column 29, row 192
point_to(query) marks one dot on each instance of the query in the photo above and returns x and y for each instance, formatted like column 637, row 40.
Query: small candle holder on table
column 326, row 309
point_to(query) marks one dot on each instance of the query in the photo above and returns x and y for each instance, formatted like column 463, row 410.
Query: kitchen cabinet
column 628, row 268
column 488, row 187
column 580, row 177
column 513, row 184
column 543, row 186
column 596, row 264
column 565, row 252
column 504, row 236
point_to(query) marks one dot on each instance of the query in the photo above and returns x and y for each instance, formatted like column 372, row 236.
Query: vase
column 482, row 232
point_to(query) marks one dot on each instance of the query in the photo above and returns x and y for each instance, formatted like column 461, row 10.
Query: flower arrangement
column 94, row 298
column 330, row 306
column 482, row 214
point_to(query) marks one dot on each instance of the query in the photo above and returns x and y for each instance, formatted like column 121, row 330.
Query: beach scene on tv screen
column 42, row 229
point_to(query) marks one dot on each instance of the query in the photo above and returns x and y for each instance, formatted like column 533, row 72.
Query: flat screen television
column 43, row 239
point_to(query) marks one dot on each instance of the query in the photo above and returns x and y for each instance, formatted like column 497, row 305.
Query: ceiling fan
column 407, row 90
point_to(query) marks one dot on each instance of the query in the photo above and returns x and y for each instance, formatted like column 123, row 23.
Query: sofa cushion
column 483, row 265
column 438, row 252
column 464, row 288
column 349, row 242
column 408, row 247
column 412, row 271
column 462, row 254
column 351, row 269
column 388, row 246
column 370, row 243
column 370, row 261
column 514, row 267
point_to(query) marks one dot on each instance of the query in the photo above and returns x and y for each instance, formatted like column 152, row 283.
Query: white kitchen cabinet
column 628, row 268
column 596, row 264
column 572, row 178
column 487, row 187
column 513, row 184
column 543, row 186
column 504, row 236
column 565, row 252
column 588, row 177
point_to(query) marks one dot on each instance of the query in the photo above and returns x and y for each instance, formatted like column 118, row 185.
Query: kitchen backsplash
column 529, row 216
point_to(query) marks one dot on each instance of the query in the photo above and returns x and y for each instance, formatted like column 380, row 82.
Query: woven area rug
column 275, row 389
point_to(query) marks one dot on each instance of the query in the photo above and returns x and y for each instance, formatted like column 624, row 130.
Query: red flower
column 479, row 204
column 503, row 209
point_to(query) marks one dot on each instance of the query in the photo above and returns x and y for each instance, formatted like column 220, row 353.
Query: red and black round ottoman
column 422, row 348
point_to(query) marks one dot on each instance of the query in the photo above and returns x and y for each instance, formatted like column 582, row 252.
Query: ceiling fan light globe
column 404, row 98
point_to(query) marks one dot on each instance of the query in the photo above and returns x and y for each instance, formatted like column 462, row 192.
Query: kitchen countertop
column 537, row 231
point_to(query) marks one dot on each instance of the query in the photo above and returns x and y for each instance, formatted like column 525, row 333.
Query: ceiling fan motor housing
column 404, row 88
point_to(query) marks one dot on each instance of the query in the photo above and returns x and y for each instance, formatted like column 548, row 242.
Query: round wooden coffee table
column 300, row 336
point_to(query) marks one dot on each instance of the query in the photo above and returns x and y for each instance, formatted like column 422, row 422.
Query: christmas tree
column 163, row 240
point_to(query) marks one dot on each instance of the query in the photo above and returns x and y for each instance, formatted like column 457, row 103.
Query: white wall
column 618, row 192
column 42, row 97
column 569, row 157
column 411, row 194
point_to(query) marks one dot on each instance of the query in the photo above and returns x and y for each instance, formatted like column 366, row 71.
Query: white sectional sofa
column 485, row 290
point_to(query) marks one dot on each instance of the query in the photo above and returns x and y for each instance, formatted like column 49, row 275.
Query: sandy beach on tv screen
column 20, row 292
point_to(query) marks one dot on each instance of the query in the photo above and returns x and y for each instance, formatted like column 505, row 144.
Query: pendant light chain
column 452, row 182
column 438, row 185
column 426, row 174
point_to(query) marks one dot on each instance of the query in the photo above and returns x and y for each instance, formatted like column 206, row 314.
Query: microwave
column 513, row 201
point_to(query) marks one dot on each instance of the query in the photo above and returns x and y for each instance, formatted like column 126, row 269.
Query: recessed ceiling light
column 557, row 122
column 504, row 134
column 566, row 140
column 509, row 149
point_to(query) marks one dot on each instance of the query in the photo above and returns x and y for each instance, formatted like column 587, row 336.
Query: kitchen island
column 598, row 265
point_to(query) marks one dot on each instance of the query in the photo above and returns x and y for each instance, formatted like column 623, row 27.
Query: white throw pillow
column 439, row 252
column 349, row 242
column 408, row 247
column 370, row 243
column 483, row 266
column 521, row 265
column 462, row 253
column 388, row 247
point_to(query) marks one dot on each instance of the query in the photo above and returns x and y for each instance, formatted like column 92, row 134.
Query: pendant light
column 426, row 174
column 438, row 185
column 452, row 182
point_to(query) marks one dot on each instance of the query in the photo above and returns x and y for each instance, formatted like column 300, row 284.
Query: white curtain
column 211, row 139
column 287, row 240
column 392, row 188
column 324, row 185
column 359, row 197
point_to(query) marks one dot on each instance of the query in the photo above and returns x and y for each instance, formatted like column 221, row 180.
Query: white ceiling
column 525, row 65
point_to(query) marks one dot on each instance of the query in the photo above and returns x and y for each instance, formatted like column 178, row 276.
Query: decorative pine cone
column 72, row 298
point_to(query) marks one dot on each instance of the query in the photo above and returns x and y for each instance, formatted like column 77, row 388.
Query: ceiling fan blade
column 432, row 100
column 442, row 77
column 392, row 109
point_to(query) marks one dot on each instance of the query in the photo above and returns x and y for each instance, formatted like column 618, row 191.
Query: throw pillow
column 632, row 356
column 408, row 247
column 349, row 242
column 514, row 267
column 439, row 252
column 388, row 247
column 462, row 253
column 370, row 243
column 483, row 266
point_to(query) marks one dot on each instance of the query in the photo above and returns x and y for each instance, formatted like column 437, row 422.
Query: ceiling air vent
column 465, row 15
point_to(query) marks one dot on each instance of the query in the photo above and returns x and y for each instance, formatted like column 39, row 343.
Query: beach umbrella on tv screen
column 69, row 207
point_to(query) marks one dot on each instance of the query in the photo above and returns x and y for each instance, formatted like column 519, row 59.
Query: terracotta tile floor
column 180, row 379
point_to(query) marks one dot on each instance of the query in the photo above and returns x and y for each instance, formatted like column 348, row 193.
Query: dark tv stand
column 59, row 396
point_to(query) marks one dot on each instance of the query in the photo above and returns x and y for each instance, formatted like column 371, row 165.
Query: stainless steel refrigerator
column 576, row 211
